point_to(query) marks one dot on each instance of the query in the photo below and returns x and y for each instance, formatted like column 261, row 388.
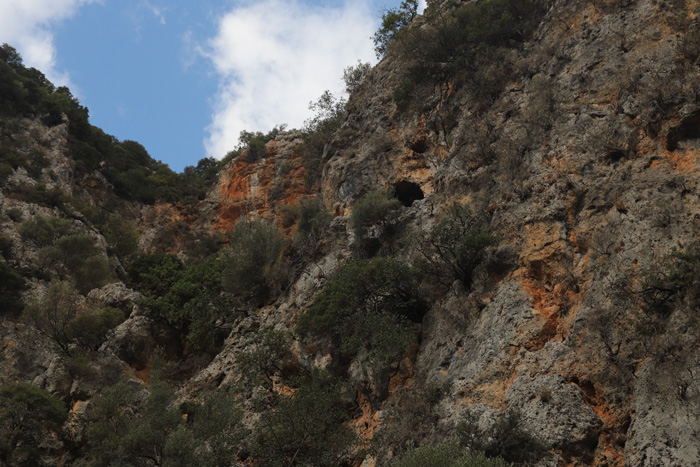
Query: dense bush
column 27, row 415
column 124, row 426
column 306, row 428
column 465, row 39
column 251, row 145
column 89, row 328
column 447, row 454
column 122, row 239
column 456, row 245
column 313, row 218
column 13, row 155
column 673, row 281
column 251, row 258
column 368, row 304
column 372, row 209
column 317, row 131
column 39, row 194
column 77, row 256
column 43, row 231
column 5, row 246
column 12, row 284
column 354, row 75
column 505, row 439
column 266, row 359
column 188, row 298
column 409, row 420
column 61, row 317
column 394, row 24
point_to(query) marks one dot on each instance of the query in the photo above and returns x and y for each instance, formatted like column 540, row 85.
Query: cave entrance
column 407, row 192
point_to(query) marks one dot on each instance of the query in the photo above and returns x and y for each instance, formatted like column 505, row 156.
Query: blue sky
column 184, row 77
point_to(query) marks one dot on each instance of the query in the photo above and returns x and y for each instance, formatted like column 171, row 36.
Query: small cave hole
column 687, row 131
column 407, row 192
column 614, row 155
column 419, row 146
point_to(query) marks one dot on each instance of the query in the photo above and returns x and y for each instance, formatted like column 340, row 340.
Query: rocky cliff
column 577, row 147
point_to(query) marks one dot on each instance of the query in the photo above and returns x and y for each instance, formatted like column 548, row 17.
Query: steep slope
column 573, row 144
column 585, row 160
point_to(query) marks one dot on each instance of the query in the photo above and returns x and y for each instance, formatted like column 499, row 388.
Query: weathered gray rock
column 117, row 295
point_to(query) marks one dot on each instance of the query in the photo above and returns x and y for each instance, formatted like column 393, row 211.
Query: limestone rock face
column 116, row 295
column 260, row 188
column 586, row 161
column 578, row 147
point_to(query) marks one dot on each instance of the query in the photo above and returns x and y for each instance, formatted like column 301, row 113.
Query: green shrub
column 60, row 317
column 313, row 218
column 14, row 214
column 266, row 358
column 505, row 439
column 124, row 426
column 51, row 314
column 673, row 281
column 447, row 454
column 77, row 256
column 12, row 284
column 43, row 231
column 354, row 75
column 5, row 171
column 317, row 131
column 5, row 246
column 253, row 253
column 90, row 327
column 307, row 428
column 394, row 24
column 368, row 304
column 39, row 194
column 121, row 238
column 27, row 415
column 409, row 420
column 465, row 40
column 252, row 143
column 372, row 209
column 455, row 246
column 154, row 274
column 188, row 298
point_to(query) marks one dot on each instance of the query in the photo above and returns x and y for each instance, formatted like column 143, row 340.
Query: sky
column 185, row 77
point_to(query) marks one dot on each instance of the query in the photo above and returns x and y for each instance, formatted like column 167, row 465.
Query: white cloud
column 275, row 56
column 158, row 12
column 26, row 25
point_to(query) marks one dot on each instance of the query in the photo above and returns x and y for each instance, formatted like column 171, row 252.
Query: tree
column 43, row 231
column 456, row 245
column 371, row 209
column 61, row 317
column 354, row 75
column 368, row 304
column 504, row 439
column 11, row 287
column 394, row 22
column 76, row 255
column 126, row 425
column 448, row 454
column 9, row 55
column 329, row 111
column 254, row 250
column 190, row 298
column 27, row 415
column 306, row 428
column 51, row 315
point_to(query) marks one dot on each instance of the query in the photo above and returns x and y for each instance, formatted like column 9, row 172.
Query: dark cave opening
column 407, row 192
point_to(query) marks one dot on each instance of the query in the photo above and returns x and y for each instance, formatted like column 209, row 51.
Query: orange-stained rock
column 262, row 188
